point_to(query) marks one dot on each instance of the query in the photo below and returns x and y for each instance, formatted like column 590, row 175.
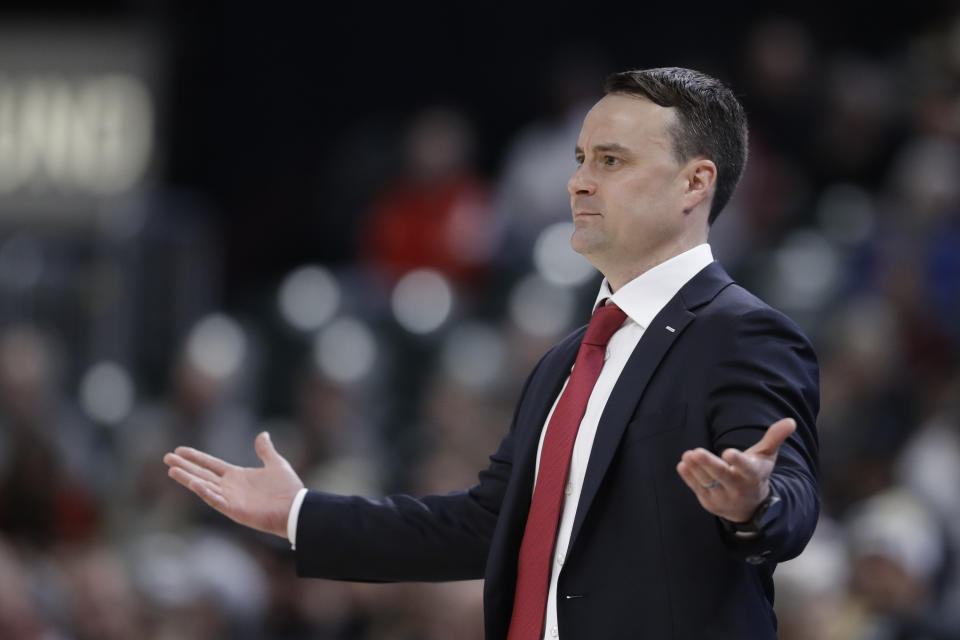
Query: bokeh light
column 309, row 297
column 846, row 213
column 345, row 350
column 541, row 308
column 805, row 271
column 217, row 345
column 107, row 393
column 556, row 261
column 422, row 301
column 474, row 354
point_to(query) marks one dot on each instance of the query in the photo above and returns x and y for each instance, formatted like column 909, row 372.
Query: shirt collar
column 643, row 297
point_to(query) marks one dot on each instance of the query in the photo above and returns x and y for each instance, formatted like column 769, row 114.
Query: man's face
column 627, row 193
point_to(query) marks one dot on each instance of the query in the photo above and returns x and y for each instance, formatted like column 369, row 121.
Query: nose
column 581, row 183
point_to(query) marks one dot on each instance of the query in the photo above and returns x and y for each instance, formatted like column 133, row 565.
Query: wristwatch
column 765, row 513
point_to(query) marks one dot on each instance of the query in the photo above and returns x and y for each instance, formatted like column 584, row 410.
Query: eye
column 611, row 161
column 578, row 159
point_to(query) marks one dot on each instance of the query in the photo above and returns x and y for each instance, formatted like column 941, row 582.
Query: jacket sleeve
column 403, row 538
column 766, row 372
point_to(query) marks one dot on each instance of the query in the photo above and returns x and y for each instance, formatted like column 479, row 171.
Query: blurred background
column 348, row 225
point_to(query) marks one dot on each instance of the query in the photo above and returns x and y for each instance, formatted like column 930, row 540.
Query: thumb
column 774, row 437
column 264, row 448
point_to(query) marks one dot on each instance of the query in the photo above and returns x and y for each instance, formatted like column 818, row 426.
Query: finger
column 742, row 465
column 264, row 448
column 173, row 460
column 204, row 489
column 689, row 479
column 713, row 466
column 191, row 481
column 205, row 460
column 697, row 470
column 705, row 493
column 211, row 497
column 770, row 442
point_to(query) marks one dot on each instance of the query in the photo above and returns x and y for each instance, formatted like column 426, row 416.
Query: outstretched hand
column 259, row 498
column 734, row 484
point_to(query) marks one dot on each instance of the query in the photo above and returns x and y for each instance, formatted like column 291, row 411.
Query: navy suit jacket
column 714, row 369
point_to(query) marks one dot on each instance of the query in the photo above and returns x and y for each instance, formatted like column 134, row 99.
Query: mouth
column 585, row 214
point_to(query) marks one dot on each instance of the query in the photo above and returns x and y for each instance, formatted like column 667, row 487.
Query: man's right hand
column 259, row 498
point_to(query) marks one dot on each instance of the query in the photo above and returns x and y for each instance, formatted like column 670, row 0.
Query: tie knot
column 604, row 323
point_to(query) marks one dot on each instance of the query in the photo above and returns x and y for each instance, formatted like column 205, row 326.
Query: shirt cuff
column 294, row 517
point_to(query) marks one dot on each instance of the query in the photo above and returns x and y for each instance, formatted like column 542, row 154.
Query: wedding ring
column 711, row 485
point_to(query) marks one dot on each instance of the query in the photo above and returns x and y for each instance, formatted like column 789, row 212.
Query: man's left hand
column 734, row 484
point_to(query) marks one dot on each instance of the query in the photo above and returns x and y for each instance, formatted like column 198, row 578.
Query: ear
column 700, row 175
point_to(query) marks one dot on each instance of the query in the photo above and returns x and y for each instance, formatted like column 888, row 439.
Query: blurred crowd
column 399, row 370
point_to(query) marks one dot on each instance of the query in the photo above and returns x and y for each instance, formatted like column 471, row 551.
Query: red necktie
column 539, row 536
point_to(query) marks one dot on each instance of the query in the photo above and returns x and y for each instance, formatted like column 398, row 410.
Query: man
column 649, row 491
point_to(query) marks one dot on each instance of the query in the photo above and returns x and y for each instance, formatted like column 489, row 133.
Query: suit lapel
column 657, row 339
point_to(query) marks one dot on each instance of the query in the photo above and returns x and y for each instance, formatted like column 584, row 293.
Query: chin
column 584, row 242
column 582, row 248
column 587, row 244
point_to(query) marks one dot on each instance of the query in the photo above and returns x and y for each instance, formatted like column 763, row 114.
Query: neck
column 619, row 273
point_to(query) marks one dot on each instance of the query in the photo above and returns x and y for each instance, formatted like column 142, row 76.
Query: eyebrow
column 600, row 148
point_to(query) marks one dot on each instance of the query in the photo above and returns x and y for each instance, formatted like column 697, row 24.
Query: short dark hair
column 710, row 120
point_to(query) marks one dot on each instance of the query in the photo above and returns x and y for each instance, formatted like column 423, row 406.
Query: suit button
column 756, row 559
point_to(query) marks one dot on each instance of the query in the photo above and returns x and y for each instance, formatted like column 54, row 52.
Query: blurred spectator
column 857, row 123
column 781, row 79
column 437, row 213
column 867, row 410
column 204, row 407
column 32, row 399
column 100, row 602
column 337, row 447
column 929, row 465
column 40, row 505
column 898, row 556
column 19, row 618
column 813, row 602
column 531, row 191
column 47, row 463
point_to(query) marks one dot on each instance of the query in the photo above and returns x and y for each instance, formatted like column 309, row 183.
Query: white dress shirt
column 641, row 299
